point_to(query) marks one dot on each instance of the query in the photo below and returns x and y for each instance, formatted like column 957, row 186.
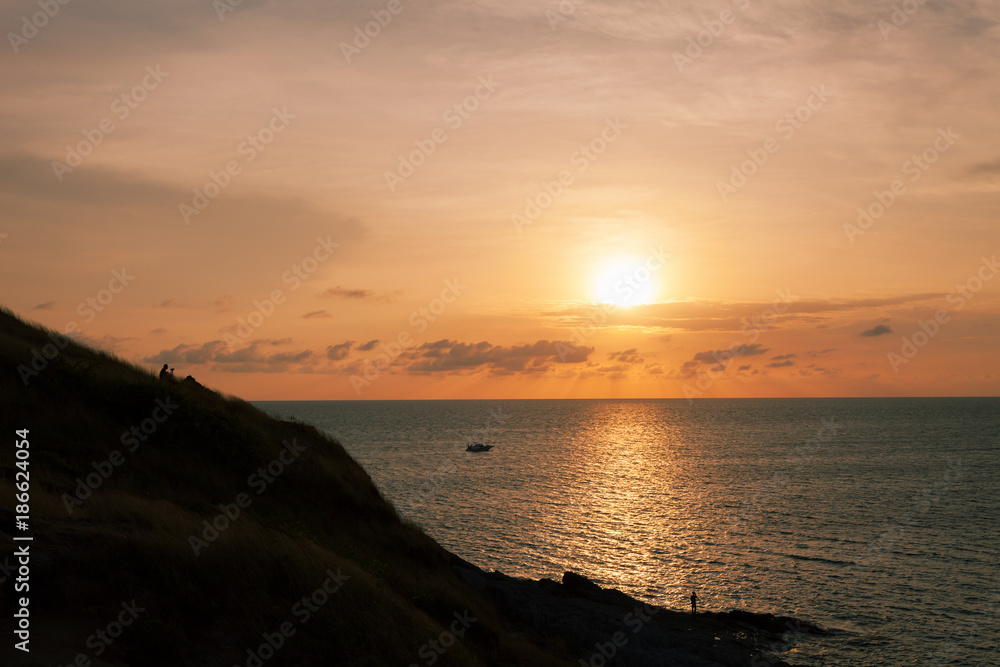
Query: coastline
column 221, row 532
column 608, row 627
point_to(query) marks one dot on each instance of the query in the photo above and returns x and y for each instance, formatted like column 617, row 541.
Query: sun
column 625, row 282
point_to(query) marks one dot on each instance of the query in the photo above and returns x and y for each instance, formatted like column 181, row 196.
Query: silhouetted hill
column 311, row 510
column 176, row 526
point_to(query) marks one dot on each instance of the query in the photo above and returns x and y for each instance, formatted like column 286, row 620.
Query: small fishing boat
column 478, row 447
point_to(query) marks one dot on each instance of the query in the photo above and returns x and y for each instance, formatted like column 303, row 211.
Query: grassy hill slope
column 128, row 476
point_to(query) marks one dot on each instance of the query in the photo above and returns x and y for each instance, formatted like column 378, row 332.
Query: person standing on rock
column 694, row 603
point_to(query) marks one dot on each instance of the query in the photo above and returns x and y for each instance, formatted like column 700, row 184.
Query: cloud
column 312, row 314
column 782, row 357
column 45, row 306
column 877, row 330
column 629, row 356
column 781, row 364
column 171, row 303
column 986, row 168
column 370, row 345
column 744, row 368
column 250, row 359
column 338, row 352
column 448, row 356
column 613, row 371
column 718, row 359
column 339, row 292
column 225, row 303
column 718, row 356
column 108, row 342
column 157, row 331
column 718, row 316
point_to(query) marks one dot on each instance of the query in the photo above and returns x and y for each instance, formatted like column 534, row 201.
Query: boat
column 478, row 447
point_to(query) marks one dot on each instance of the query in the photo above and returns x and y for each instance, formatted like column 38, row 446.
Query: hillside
column 173, row 525
column 118, row 515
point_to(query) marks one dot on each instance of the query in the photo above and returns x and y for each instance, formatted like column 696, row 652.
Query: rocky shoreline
column 606, row 627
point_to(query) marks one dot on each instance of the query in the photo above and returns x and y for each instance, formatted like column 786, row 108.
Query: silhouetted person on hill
column 166, row 375
column 694, row 603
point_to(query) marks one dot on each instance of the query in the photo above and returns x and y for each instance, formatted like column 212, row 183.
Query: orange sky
column 589, row 199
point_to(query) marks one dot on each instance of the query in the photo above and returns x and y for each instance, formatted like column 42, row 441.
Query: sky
column 421, row 199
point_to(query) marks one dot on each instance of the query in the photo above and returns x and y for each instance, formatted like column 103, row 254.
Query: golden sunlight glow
column 626, row 281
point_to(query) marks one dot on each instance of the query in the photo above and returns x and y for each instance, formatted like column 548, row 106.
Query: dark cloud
column 453, row 356
column 986, row 168
column 719, row 356
column 339, row 292
column 877, row 330
column 338, row 352
column 250, row 359
column 274, row 341
column 315, row 313
column 781, row 364
column 48, row 305
column 782, row 357
column 171, row 303
column 629, row 356
column 744, row 368
column 729, row 316
column 719, row 359
column 370, row 345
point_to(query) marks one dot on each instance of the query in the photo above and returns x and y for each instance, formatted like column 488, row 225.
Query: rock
column 605, row 626
column 577, row 582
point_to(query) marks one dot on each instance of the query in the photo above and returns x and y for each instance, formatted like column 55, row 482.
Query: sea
column 878, row 518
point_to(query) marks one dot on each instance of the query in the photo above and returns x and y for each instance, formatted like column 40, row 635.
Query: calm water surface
column 880, row 517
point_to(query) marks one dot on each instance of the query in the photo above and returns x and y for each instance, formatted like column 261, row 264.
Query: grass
column 130, row 538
